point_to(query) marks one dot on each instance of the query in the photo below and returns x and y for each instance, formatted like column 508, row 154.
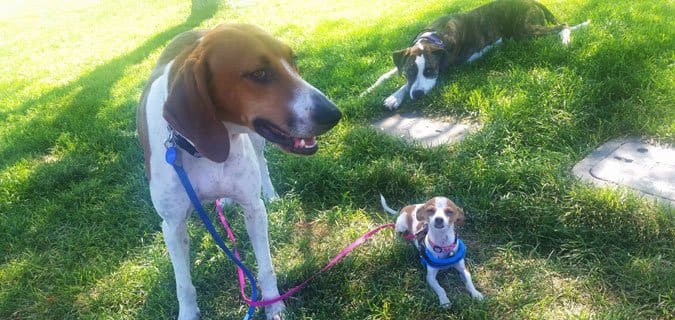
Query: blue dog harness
column 427, row 256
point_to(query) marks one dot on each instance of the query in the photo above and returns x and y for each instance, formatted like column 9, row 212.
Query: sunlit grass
column 79, row 237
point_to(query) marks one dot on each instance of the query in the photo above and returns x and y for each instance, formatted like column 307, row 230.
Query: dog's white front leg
column 433, row 283
column 267, row 188
column 466, row 278
column 396, row 98
column 177, row 242
column 256, row 225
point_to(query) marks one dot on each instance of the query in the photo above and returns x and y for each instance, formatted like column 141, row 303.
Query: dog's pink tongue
column 300, row 143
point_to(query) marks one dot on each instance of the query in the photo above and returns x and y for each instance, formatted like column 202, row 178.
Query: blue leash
column 171, row 158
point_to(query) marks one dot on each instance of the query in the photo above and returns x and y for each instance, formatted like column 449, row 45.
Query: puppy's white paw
column 392, row 102
column 446, row 305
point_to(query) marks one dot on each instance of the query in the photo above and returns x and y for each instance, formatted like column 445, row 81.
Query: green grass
column 79, row 238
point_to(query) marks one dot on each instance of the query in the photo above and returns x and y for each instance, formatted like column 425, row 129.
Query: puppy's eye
column 260, row 75
column 430, row 72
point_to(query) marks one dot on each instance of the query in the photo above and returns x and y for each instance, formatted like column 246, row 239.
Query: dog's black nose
column 416, row 94
column 325, row 113
column 438, row 221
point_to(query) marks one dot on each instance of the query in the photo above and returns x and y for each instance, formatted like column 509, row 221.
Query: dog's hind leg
column 379, row 81
column 466, row 278
column 267, row 188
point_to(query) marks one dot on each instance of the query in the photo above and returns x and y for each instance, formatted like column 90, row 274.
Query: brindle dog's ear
column 189, row 110
column 399, row 58
column 443, row 60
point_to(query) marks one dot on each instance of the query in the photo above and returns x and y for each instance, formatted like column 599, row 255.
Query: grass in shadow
column 541, row 245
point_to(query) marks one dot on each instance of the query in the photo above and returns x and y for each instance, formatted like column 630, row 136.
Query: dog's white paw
column 392, row 102
column 446, row 305
column 477, row 295
column 275, row 311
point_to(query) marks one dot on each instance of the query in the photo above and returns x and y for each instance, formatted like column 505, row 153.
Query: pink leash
column 292, row 291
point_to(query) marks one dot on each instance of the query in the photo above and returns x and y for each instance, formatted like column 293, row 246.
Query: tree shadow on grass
column 59, row 230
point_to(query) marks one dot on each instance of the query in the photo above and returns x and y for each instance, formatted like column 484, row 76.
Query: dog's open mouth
column 298, row 145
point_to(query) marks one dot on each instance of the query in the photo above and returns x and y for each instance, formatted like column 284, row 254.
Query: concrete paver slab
column 428, row 132
column 647, row 168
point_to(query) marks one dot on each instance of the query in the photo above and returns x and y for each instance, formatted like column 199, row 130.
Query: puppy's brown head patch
column 454, row 214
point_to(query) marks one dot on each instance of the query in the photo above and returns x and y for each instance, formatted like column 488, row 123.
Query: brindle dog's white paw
column 392, row 102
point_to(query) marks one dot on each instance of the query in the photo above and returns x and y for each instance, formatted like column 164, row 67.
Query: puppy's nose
column 438, row 221
column 416, row 94
column 325, row 113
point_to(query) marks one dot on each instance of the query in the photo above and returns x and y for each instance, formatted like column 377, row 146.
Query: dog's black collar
column 430, row 36
column 177, row 139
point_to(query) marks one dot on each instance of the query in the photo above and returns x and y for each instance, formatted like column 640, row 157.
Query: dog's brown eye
column 429, row 72
column 260, row 75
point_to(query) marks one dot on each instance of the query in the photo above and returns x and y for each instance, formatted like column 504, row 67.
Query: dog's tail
column 379, row 81
column 386, row 207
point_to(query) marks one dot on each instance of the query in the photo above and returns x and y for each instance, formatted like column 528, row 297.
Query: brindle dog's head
column 421, row 65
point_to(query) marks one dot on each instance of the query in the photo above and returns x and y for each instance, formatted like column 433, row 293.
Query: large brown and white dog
column 218, row 94
column 432, row 225
column 460, row 38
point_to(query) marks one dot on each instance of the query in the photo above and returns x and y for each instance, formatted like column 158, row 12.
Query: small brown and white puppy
column 455, row 39
column 224, row 92
column 432, row 225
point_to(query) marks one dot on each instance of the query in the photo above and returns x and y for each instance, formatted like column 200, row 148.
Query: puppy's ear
column 459, row 220
column 425, row 212
column 189, row 110
column 442, row 56
column 400, row 57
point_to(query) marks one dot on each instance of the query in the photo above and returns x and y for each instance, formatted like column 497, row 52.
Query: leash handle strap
column 171, row 157
column 295, row 289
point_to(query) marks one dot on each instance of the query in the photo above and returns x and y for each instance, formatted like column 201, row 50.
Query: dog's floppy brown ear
column 459, row 221
column 190, row 111
column 399, row 58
